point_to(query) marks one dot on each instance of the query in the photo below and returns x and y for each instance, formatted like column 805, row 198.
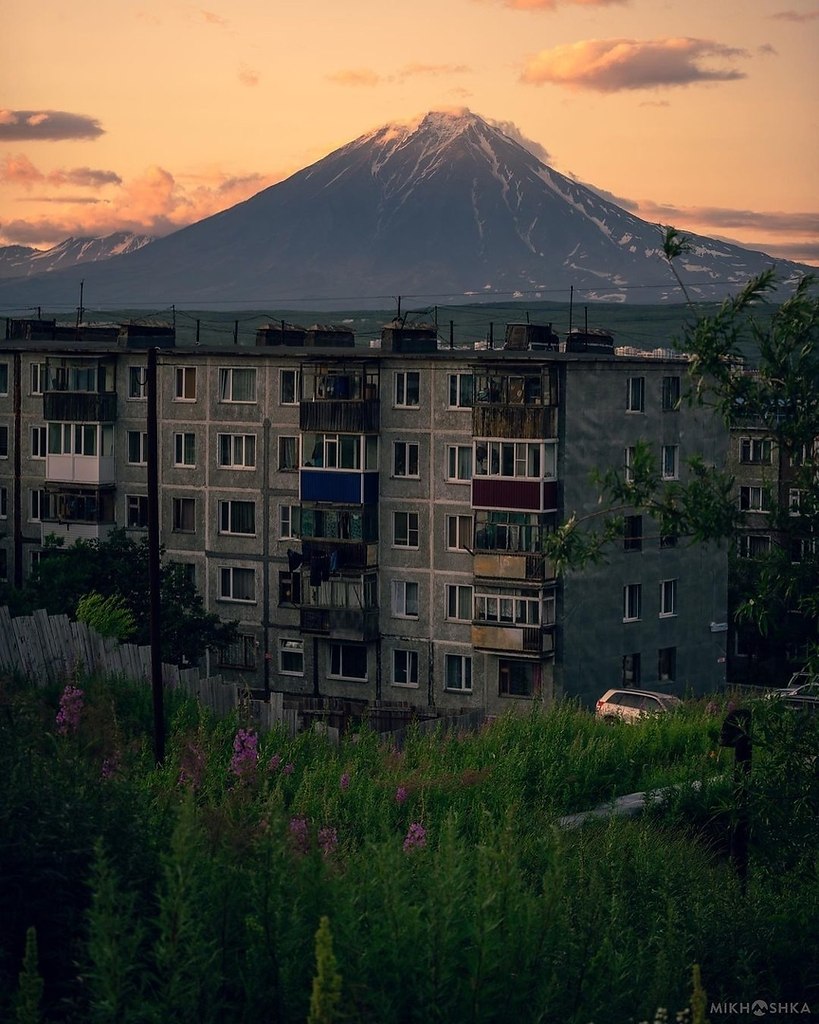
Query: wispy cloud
column 366, row 77
column 795, row 15
column 47, row 125
column 721, row 217
column 211, row 18
column 511, row 129
column 248, row 77
column 65, row 200
column 551, row 5
column 611, row 65
column 19, row 170
column 355, row 77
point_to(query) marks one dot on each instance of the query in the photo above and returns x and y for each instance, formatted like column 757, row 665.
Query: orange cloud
column 19, row 170
column 368, row 78
column 795, row 15
column 213, row 19
column 411, row 70
column 609, row 65
column 354, row 77
column 551, row 5
column 248, row 77
column 47, row 125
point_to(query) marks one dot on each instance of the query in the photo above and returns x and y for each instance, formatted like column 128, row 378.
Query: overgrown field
column 194, row 892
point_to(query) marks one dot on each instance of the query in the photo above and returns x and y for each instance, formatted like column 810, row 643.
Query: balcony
column 349, row 554
column 514, row 494
column 503, row 565
column 80, row 406
column 81, row 469
column 70, row 532
column 493, row 637
column 339, row 415
column 343, row 487
column 343, row 623
column 519, row 421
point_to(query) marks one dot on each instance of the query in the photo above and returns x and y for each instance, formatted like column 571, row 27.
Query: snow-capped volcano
column 22, row 261
column 442, row 207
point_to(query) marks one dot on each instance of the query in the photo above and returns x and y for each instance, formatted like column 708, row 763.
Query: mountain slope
column 23, row 261
column 438, row 208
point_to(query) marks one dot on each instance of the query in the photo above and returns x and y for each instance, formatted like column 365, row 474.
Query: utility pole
column 153, row 559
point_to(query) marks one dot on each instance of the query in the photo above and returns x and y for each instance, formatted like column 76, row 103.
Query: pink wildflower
column 288, row 768
column 110, row 766
column 401, row 795
column 274, row 762
column 192, row 768
column 245, row 753
column 68, row 717
column 344, row 782
column 327, row 840
column 416, row 837
column 300, row 833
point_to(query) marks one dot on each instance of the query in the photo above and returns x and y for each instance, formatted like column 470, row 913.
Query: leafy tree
column 117, row 568
column 776, row 391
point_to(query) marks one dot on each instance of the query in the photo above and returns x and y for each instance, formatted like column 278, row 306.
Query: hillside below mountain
column 24, row 261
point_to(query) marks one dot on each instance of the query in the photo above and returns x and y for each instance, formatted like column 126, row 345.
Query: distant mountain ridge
column 442, row 208
column 23, row 261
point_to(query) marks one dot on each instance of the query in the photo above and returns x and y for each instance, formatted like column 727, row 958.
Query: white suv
column 631, row 705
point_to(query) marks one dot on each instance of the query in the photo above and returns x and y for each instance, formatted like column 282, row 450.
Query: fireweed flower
column 288, row 768
column 300, row 833
column 70, row 713
column 401, row 795
column 416, row 837
column 110, row 766
column 245, row 753
column 344, row 782
column 192, row 768
column 274, row 762
column 327, row 840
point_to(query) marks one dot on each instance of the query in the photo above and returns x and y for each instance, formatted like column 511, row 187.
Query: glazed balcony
column 499, row 638
column 342, row 623
column 505, row 565
column 348, row 554
column 80, row 406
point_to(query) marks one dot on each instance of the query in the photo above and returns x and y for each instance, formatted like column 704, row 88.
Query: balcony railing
column 81, row 469
column 346, row 623
column 349, row 554
column 536, row 640
column 513, row 566
column 80, row 406
column 343, row 416
column 518, row 421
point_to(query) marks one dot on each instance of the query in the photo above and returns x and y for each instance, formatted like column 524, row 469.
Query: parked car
column 800, row 684
column 631, row 705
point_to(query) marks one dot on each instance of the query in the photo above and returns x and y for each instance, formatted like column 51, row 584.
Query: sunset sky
column 147, row 115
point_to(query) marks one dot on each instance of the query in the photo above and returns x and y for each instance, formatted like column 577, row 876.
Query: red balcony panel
column 519, row 494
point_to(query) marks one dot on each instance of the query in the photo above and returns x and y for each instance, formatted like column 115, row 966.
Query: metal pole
column 153, row 560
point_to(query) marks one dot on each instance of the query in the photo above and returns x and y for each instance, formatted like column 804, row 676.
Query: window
column 407, row 389
column 671, row 460
column 291, row 657
column 755, row 450
column 184, row 515
column 236, row 451
column 404, row 668
column 39, row 442
column 513, row 607
column 636, row 394
column 753, row 546
column 4, row 378
column 755, row 499
column 289, row 522
column 668, row 598
column 405, row 458
column 405, row 529
column 628, row 463
column 237, row 385
column 461, row 390
column 240, row 654
column 667, row 664
column 289, row 588
column 184, row 449
column 632, row 601
column 80, row 439
column 37, row 378
column 332, row 451
column 630, row 673
column 288, row 454
column 136, row 511
column 671, row 393
column 188, row 572
column 137, row 447
column 520, row 459
column 237, row 584
column 633, row 533
column 348, row 661
column 185, row 383
column 459, row 533
column 794, row 501
column 459, row 602
column 138, row 382
column 237, row 517
column 458, row 672
column 518, row 678
column 4, row 502
column 36, row 504
column 405, row 599
column 459, row 462
column 289, row 387
column 4, row 442
column 802, row 548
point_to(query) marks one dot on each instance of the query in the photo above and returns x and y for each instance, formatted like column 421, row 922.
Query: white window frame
column 286, row 522
column 753, row 545
column 522, row 454
column 458, row 597
column 795, row 501
column 459, row 533
column 464, row 673
column 228, row 574
column 456, row 386
column 39, row 442
column 755, row 498
column 227, row 386
column 36, row 500
column 36, row 378
column 184, row 449
column 137, row 383
column 177, row 516
column 453, row 462
column 628, row 463
column 184, row 383
column 296, row 375
column 507, row 609
column 405, row 599
column 671, row 462
column 292, row 648
column 339, row 646
column 410, row 531
column 671, row 393
column 632, row 602
column 409, row 668
column 636, row 394
column 668, row 598
column 280, row 448
column 406, row 452
column 135, row 503
column 143, row 447
column 228, row 511
column 402, row 389
column 236, row 451
column 755, row 451
column 671, row 656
